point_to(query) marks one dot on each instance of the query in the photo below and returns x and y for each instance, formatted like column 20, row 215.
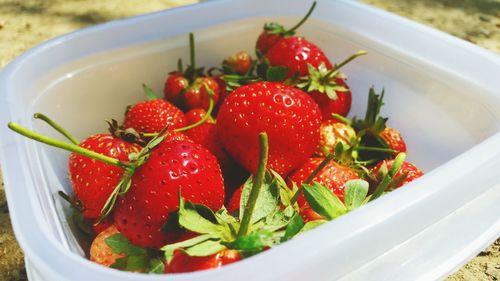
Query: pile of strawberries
column 231, row 161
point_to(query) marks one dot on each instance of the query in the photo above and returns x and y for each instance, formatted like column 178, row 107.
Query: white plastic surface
column 441, row 92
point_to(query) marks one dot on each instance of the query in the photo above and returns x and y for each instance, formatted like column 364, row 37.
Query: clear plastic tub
column 442, row 93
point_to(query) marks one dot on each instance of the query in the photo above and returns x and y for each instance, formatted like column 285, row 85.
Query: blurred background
column 25, row 23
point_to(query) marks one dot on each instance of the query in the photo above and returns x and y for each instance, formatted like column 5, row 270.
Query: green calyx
column 275, row 28
column 324, row 80
column 266, row 218
column 135, row 258
column 371, row 146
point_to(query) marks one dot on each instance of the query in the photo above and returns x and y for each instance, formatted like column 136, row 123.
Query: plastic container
column 442, row 93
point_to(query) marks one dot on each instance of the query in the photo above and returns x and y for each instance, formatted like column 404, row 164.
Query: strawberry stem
column 346, row 61
column 67, row 146
column 386, row 181
column 375, row 149
column 292, row 30
column 256, row 186
column 314, row 173
column 56, row 127
column 192, row 56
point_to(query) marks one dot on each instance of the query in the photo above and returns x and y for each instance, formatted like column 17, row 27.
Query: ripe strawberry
column 182, row 262
column 239, row 63
column 289, row 116
column 340, row 104
column 152, row 116
column 205, row 134
column 407, row 173
column 394, row 140
column 172, row 167
column 197, row 95
column 296, row 54
column 334, row 176
column 175, row 85
column 274, row 32
column 331, row 133
column 93, row 181
column 100, row 252
column 234, row 203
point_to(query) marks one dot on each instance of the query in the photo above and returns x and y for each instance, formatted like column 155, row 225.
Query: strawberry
column 152, row 116
column 205, row 134
column 296, row 54
column 331, row 133
column 289, row 116
column 190, row 87
column 328, row 87
column 175, row 85
column 407, row 173
column 274, row 32
column 93, row 181
column 340, row 103
column 239, row 63
column 234, row 203
column 100, row 252
column 333, row 175
column 182, row 262
column 172, row 167
column 394, row 140
column 198, row 94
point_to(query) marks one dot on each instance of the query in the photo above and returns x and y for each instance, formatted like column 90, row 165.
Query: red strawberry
column 289, row 116
column 340, row 104
column 205, row 134
column 274, row 32
column 100, row 252
column 328, row 88
column 93, row 181
column 407, row 173
column 234, row 203
column 172, row 166
column 181, row 262
column 152, row 116
column 331, row 133
column 334, row 176
column 394, row 140
column 175, row 85
column 296, row 53
column 240, row 62
column 197, row 95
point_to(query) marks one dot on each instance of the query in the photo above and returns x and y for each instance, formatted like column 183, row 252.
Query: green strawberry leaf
column 276, row 73
column 254, row 242
column 293, row 228
column 119, row 244
column 205, row 248
column 132, row 263
column 389, row 176
column 156, row 266
column 311, row 225
column 170, row 248
column 266, row 202
column 149, row 93
column 323, row 201
column 355, row 193
column 190, row 218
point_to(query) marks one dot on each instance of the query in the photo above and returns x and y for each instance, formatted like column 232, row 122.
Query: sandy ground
column 25, row 23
